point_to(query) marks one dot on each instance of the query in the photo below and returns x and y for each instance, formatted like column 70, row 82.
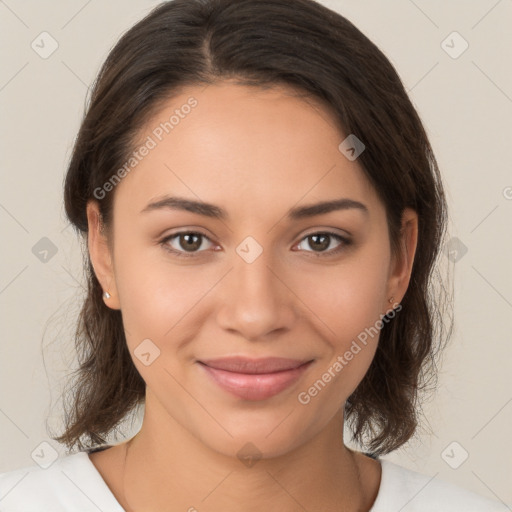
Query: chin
column 258, row 436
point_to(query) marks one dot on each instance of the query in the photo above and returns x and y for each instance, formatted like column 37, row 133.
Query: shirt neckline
column 383, row 484
column 115, row 506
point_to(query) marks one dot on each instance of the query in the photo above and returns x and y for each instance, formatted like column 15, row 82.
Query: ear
column 100, row 254
column 402, row 263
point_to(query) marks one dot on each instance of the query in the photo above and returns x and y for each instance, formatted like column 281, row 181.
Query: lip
column 253, row 366
column 254, row 379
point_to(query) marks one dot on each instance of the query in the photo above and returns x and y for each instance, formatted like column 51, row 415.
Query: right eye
column 189, row 241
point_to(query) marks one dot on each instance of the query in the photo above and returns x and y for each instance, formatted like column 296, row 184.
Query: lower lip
column 255, row 386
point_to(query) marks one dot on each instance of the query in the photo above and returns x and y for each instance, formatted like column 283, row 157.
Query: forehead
column 243, row 147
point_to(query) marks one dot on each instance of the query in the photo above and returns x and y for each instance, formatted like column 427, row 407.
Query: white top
column 73, row 484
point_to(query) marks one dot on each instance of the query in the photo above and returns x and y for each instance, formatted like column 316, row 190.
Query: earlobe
column 403, row 263
column 100, row 254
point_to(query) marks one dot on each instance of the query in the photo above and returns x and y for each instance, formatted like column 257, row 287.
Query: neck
column 170, row 470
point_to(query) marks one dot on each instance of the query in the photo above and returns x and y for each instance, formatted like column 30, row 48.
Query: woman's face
column 256, row 276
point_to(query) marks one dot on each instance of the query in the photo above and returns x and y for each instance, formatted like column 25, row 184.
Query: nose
column 255, row 299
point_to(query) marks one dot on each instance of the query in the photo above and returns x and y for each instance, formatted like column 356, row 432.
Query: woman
column 263, row 213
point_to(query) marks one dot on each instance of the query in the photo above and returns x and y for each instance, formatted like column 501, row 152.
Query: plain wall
column 466, row 106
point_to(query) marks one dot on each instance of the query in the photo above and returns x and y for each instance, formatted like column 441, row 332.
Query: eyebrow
column 213, row 211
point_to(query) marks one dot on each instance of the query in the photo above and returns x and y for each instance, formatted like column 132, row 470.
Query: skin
column 255, row 153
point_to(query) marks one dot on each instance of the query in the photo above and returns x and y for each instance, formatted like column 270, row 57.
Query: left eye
column 189, row 243
column 322, row 241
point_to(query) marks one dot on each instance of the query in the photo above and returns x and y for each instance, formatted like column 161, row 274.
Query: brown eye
column 184, row 243
column 320, row 242
column 189, row 241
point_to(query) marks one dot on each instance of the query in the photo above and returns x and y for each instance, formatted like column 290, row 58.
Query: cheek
column 159, row 298
column 346, row 303
column 347, row 298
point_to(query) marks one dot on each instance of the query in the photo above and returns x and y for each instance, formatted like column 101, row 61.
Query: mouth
column 254, row 379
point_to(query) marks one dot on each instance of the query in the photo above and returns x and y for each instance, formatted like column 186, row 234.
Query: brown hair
column 307, row 47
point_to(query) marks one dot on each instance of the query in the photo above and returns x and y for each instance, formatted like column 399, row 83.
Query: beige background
column 466, row 105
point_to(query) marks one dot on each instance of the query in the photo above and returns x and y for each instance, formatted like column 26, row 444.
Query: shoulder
column 409, row 491
column 70, row 484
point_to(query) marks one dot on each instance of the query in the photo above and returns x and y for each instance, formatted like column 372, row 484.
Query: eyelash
column 345, row 243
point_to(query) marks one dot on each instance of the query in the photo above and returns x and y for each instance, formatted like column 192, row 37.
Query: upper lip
column 254, row 366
